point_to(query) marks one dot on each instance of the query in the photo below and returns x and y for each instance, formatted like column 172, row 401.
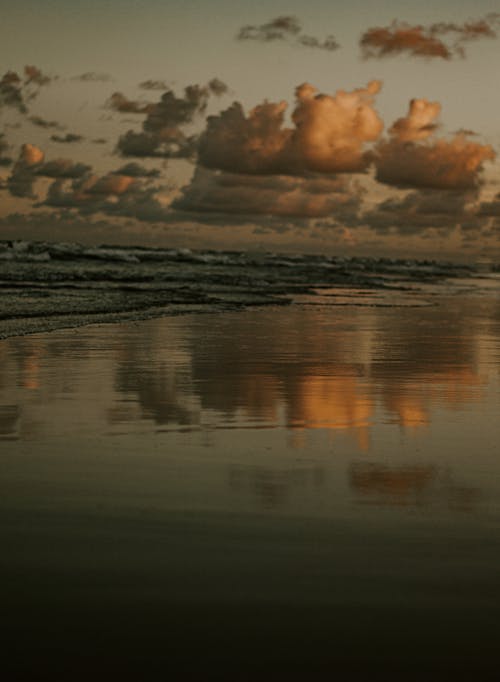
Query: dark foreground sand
column 302, row 493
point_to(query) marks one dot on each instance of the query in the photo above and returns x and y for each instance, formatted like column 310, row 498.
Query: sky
column 321, row 127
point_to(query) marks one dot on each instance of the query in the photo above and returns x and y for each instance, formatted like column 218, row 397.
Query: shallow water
column 263, row 494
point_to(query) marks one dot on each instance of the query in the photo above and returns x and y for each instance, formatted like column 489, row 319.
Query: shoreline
column 50, row 286
column 173, row 310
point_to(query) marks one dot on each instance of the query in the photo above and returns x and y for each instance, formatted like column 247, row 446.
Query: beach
column 265, row 493
column 249, row 341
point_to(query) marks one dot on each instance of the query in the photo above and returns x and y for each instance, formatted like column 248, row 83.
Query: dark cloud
column 43, row 123
column 490, row 209
column 16, row 91
column 329, row 134
column 88, row 191
column 93, row 77
column 10, row 92
column 4, row 146
column 11, row 78
column 144, row 145
column 291, row 197
column 135, row 170
column 21, row 180
column 175, row 111
column 99, row 140
column 162, row 132
column 62, row 168
column 119, row 102
column 69, row 138
column 170, row 110
column 31, row 164
column 276, row 29
column 413, row 157
column 285, row 28
column 61, row 226
column 217, row 87
column 421, row 211
column 153, row 85
column 443, row 40
column 113, row 194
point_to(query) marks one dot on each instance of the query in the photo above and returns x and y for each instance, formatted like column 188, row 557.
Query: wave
column 46, row 285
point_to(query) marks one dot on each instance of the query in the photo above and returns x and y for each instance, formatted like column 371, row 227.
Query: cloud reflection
column 273, row 487
column 410, row 486
column 297, row 379
column 298, row 369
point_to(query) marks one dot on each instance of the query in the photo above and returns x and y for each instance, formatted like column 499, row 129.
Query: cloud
column 217, row 87
column 153, row 85
column 14, row 91
column 490, row 209
column 32, row 74
column 119, row 102
column 443, row 40
column 30, row 155
column 135, row 170
column 69, row 138
column 162, row 132
column 173, row 145
column 63, row 225
column 118, row 196
column 62, row 168
column 419, row 123
column 4, row 146
column 329, row 134
column 115, row 194
column 276, row 29
column 412, row 157
column 43, row 123
column 220, row 192
column 287, row 29
column 93, row 77
column 20, row 182
column 31, row 165
column 421, row 211
column 10, row 92
column 88, row 189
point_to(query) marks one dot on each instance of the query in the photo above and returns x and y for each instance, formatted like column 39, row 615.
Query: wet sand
column 279, row 493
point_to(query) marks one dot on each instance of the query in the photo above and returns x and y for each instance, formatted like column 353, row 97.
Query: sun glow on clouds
column 326, row 165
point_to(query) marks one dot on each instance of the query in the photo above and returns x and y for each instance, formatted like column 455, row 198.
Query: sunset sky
column 321, row 126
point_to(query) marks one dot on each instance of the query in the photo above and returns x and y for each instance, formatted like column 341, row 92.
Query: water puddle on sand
column 337, row 458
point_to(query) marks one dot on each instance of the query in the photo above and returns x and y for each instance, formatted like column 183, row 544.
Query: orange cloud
column 329, row 402
column 329, row 134
column 426, row 41
column 30, row 155
column 411, row 157
column 34, row 75
column 20, row 182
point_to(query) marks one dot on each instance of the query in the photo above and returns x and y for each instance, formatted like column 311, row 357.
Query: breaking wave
column 49, row 285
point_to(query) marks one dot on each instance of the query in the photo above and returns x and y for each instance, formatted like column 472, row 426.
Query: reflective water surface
column 323, row 477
